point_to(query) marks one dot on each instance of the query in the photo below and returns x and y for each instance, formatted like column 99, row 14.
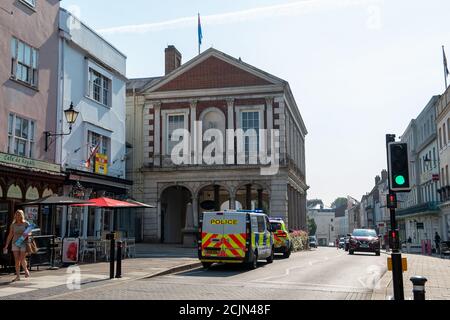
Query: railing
column 424, row 207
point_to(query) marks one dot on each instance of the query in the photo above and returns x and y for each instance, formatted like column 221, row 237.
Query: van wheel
column 271, row 257
column 206, row 265
column 254, row 263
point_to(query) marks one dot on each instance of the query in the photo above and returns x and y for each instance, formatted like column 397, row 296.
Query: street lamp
column 71, row 117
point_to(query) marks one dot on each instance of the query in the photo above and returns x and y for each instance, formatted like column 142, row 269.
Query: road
column 322, row 274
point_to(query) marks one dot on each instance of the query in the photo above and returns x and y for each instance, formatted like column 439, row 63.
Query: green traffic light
column 400, row 180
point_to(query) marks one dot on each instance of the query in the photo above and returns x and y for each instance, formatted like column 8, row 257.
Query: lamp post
column 71, row 117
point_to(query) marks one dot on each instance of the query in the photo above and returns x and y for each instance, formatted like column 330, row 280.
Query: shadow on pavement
column 221, row 270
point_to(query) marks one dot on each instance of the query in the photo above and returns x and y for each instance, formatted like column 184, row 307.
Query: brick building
column 213, row 91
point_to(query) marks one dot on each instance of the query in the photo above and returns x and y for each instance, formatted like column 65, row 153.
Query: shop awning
column 55, row 200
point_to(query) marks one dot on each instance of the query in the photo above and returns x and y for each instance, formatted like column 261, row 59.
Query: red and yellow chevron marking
column 235, row 245
column 207, row 239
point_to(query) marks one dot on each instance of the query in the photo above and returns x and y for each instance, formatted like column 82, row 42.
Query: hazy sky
column 358, row 68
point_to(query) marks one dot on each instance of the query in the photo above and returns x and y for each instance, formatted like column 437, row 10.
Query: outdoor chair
column 445, row 249
column 130, row 247
column 90, row 248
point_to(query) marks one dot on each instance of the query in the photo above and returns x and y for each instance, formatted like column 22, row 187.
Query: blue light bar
column 251, row 211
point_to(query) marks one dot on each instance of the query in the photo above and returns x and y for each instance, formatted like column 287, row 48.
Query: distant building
column 326, row 224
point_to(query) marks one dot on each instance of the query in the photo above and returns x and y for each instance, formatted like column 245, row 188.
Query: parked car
column 342, row 243
column 364, row 240
column 312, row 242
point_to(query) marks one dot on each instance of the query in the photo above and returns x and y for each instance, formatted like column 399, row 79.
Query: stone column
column 217, row 197
column 233, row 199
column 248, row 197
column 230, row 120
column 260, row 199
column 195, row 210
column 157, row 154
column 194, row 134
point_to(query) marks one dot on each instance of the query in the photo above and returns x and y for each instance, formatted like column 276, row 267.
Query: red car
column 364, row 240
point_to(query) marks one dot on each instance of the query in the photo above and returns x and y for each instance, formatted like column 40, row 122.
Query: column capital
column 193, row 103
column 230, row 102
column 270, row 100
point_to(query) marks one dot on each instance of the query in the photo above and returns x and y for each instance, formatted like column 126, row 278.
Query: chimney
column 377, row 180
column 173, row 59
column 384, row 175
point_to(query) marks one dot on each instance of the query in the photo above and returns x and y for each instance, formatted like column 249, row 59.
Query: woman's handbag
column 31, row 247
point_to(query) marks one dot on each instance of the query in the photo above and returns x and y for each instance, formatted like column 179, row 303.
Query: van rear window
column 276, row 226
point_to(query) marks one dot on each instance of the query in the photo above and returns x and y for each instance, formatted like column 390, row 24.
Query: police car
column 238, row 236
column 282, row 240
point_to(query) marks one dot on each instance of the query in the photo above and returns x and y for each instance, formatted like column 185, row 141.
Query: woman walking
column 17, row 229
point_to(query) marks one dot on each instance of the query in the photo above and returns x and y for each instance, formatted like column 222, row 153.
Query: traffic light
column 394, row 240
column 392, row 201
column 399, row 167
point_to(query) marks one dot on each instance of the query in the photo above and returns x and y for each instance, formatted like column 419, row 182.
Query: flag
column 200, row 34
column 94, row 151
column 445, row 63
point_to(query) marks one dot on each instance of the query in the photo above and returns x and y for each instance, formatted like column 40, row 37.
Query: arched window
column 444, row 134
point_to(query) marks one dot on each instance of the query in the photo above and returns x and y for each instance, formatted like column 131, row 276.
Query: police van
column 242, row 236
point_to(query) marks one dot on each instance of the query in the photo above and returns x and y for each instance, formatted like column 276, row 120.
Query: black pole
column 119, row 260
column 419, row 287
column 111, row 255
column 397, row 267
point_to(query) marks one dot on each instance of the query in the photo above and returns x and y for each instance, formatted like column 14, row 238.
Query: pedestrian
column 408, row 245
column 16, row 230
column 437, row 240
column 337, row 243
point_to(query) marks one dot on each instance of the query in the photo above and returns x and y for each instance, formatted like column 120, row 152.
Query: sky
column 358, row 69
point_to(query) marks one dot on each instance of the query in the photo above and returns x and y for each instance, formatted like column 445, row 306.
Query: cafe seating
column 88, row 246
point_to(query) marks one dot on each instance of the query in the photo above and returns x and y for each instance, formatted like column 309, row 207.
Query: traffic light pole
column 397, row 268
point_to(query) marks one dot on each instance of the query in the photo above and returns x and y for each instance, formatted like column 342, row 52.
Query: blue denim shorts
column 15, row 248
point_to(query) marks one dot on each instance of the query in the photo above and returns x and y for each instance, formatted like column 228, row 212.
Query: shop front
column 94, row 222
column 23, row 180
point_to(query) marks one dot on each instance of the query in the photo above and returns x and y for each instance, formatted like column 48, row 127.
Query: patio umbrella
column 109, row 203
column 140, row 204
column 55, row 200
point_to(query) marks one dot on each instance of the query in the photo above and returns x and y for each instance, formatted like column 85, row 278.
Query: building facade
column 420, row 217
column 213, row 93
column 28, row 103
column 93, row 79
column 443, row 122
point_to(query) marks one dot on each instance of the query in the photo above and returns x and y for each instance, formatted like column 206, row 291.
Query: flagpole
column 445, row 68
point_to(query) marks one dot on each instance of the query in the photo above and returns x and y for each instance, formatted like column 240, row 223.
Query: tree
column 312, row 227
column 339, row 202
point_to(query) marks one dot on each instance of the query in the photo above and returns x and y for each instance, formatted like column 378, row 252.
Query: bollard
column 119, row 260
column 419, row 287
column 112, row 248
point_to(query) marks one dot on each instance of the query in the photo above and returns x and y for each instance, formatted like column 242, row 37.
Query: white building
column 326, row 224
column 443, row 125
column 419, row 217
column 92, row 76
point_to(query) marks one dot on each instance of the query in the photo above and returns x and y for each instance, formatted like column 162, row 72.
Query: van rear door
column 235, row 235
column 212, row 234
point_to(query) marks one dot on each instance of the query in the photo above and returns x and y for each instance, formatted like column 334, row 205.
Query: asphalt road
column 322, row 274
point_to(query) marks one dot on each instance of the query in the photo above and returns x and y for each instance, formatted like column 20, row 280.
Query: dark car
column 364, row 240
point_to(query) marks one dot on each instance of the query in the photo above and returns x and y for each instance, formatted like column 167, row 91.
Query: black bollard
column 112, row 250
column 419, row 287
column 119, row 260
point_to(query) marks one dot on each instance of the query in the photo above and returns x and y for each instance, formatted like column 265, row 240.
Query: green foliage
column 312, row 226
column 339, row 202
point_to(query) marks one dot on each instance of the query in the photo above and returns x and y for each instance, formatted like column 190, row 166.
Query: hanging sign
column 101, row 164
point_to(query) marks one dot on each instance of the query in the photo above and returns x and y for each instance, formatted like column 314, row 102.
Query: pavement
column 151, row 261
column 435, row 269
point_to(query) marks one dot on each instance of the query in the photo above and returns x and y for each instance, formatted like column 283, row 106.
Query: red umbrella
column 107, row 203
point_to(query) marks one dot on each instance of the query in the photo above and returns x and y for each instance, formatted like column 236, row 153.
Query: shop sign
column 70, row 250
column 101, row 164
column 29, row 163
